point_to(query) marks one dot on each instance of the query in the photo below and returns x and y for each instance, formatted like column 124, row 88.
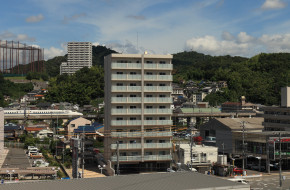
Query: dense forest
column 258, row 78
column 14, row 90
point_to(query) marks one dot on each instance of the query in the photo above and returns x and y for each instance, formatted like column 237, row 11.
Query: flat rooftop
column 159, row 181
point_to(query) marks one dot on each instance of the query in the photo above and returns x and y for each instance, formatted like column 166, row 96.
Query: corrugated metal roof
column 235, row 123
column 160, row 181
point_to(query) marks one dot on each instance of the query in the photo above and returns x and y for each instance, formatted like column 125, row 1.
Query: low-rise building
column 44, row 133
column 74, row 124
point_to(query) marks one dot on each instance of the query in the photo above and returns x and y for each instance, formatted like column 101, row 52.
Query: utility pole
column 243, row 126
column 191, row 144
column 83, row 153
column 118, row 164
column 280, row 161
column 223, row 144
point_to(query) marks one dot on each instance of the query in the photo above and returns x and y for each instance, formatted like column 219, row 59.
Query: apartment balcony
column 126, row 88
column 125, row 122
column 157, row 145
column 157, row 111
column 125, row 111
column 158, row 66
column 139, row 134
column 158, row 77
column 126, row 158
column 157, row 157
column 126, row 100
column 126, row 77
column 139, row 145
column 139, row 158
column 127, row 146
column 157, row 122
column 157, row 100
column 157, row 88
column 126, row 66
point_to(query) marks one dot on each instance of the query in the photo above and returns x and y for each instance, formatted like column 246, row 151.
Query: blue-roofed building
column 12, row 131
column 88, row 130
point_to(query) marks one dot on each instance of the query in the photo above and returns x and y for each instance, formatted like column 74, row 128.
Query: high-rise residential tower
column 137, row 111
column 79, row 56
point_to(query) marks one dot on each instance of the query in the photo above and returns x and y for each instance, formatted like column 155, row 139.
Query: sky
column 214, row 27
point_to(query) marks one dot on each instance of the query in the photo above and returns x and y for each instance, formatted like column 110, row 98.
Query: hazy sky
column 215, row 27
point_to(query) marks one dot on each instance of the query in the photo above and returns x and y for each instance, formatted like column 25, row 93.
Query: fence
column 21, row 145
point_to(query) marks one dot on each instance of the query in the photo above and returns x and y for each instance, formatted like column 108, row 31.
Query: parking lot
column 16, row 158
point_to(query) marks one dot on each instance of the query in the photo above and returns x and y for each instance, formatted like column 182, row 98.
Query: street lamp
column 101, row 168
column 10, row 174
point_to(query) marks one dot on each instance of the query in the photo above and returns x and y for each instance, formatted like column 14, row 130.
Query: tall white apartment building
column 137, row 111
column 79, row 56
column 1, row 131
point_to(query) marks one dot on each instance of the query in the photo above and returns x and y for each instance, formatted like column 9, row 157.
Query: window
column 149, row 141
column 132, row 84
column 119, row 130
column 121, row 142
column 149, row 107
column 162, row 118
column 73, row 125
column 149, row 96
column 162, row 96
column 119, row 107
column 161, row 141
column 132, row 107
column 149, row 84
column 132, row 73
column 148, row 130
column 162, row 107
column 119, row 84
column 149, row 73
column 162, row 62
column 133, row 130
column 134, row 153
column 133, row 142
column 119, row 95
column 132, row 118
column 149, row 118
column 150, row 62
column 132, row 95
column 162, row 153
column 162, row 73
column 148, row 153
column 123, row 154
column 119, row 73
column 162, row 84
column 119, row 118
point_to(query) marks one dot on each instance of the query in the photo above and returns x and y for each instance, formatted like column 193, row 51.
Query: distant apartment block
column 79, row 56
column 278, row 118
column 137, row 111
column 198, row 97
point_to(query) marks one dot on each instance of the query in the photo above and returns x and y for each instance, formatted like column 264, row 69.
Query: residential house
column 12, row 131
column 74, row 124
column 44, row 133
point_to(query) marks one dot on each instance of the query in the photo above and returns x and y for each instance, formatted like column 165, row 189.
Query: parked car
column 238, row 170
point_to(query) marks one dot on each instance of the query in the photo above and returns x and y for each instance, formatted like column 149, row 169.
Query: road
column 16, row 158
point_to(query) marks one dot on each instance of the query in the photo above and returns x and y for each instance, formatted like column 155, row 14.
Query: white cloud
column 273, row 4
column 241, row 45
column 53, row 52
column 127, row 47
column 16, row 37
column 36, row 18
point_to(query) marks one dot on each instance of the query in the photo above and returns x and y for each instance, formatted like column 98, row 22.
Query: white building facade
column 137, row 111
column 1, row 131
column 79, row 56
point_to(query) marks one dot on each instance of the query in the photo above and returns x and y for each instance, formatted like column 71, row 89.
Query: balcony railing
column 126, row 158
column 157, row 157
column 157, row 100
column 126, row 77
column 126, row 65
column 157, row 145
column 138, row 145
column 126, row 88
column 126, row 99
column 157, row 88
column 127, row 146
column 158, row 66
column 157, row 111
column 138, row 134
column 125, row 111
column 158, row 122
column 125, row 122
column 158, row 77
